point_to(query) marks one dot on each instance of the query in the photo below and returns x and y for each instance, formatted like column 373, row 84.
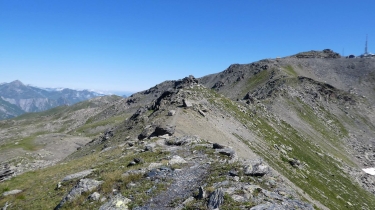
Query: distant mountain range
column 17, row 98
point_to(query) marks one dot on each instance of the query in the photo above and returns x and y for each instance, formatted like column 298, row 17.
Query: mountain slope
column 8, row 110
column 33, row 99
column 286, row 133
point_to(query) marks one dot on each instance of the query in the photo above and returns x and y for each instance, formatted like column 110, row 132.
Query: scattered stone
column 257, row 169
column 171, row 112
column 6, row 206
column 154, row 165
column 12, row 192
column 94, row 196
column 133, row 172
column 138, row 160
column 106, row 149
column 81, row 174
column 233, row 173
column 187, row 103
column 131, row 184
column 149, row 147
column 217, row 146
column 238, row 198
column 176, row 160
column 118, row 202
column 294, row 162
column 216, row 199
column 227, row 151
column 6, row 173
column 84, row 185
column 184, row 140
column 201, row 193
column 58, row 186
column 202, row 113
column 103, row 199
column 132, row 163
column 187, row 201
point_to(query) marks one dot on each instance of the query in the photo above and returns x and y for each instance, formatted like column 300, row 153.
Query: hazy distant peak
column 17, row 83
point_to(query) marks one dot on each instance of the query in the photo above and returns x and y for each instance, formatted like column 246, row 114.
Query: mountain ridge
column 33, row 99
column 285, row 133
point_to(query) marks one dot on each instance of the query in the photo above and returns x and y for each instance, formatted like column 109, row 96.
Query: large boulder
column 147, row 131
column 258, row 169
column 164, row 129
column 84, row 185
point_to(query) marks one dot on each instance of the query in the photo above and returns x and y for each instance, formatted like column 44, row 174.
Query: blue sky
column 128, row 45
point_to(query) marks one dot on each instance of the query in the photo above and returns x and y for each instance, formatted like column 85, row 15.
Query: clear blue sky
column 132, row 45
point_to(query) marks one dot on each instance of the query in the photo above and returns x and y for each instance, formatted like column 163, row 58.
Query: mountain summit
column 16, row 83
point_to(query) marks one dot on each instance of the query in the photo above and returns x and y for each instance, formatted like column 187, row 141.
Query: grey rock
column 217, row 146
column 84, row 185
column 184, row 140
column 147, row 131
column 201, row 193
column 81, row 174
column 233, row 173
column 257, row 169
column 132, row 163
column 201, row 113
column 294, row 162
column 132, row 172
column 58, row 186
column 154, row 165
column 6, row 206
column 216, row 199
column 284, row 205
column 117, row 202
column 187, row 103
column 227, row 151
column 171, row 112
column 149, row 148
column 176, row 160
column 138, row 160
column 94, row 196
column 12, row 192
column 268, row 206
column 164, row 129
column 187, row 201
column 6, row 173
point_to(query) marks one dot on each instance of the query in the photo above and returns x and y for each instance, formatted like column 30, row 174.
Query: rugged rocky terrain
column 285, row 133
column 17, row 98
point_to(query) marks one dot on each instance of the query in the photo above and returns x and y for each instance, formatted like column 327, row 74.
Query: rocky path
column 185, row 182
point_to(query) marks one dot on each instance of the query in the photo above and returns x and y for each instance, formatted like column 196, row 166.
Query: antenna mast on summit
column 366, row 46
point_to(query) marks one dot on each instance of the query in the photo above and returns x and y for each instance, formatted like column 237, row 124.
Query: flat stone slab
column 78, row 175
column 12, row 192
